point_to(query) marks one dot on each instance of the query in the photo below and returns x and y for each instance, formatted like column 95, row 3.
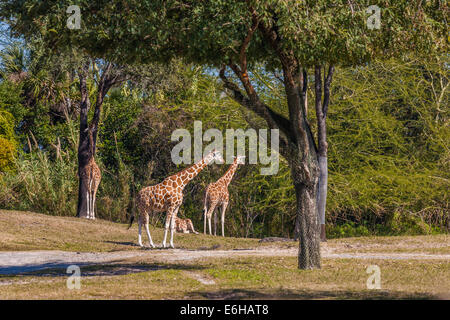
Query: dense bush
column 10, row 116
column 388, row 153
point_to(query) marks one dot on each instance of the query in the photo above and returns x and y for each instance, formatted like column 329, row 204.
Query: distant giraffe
column 168, row 196
column 217, row 195
column 92, row 171
column 91, row 175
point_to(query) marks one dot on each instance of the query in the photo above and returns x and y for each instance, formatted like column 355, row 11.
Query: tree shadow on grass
column 89, row 269
column 288, row 294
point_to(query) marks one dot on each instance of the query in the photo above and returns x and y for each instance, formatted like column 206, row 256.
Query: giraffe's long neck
column 230, row 173
column 191, row 172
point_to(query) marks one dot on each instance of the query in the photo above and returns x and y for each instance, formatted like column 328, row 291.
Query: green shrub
column 41, row 185
column 7, row 155
column 8, row 143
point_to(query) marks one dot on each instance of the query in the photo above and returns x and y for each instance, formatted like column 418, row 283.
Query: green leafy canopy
column 211, row 32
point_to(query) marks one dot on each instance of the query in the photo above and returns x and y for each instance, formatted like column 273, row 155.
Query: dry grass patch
column 431, row 244
column 32, row 231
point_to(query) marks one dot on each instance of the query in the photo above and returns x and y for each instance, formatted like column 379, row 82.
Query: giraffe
column 92, row 171
column 91, row 175
column 184, row 226
column 217, row 195
column 168, row 196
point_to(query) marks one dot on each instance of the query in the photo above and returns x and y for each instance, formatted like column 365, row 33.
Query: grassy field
column 149, row 276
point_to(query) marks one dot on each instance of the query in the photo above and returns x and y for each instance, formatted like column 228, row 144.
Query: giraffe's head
column 240, row 159
column 216, row 156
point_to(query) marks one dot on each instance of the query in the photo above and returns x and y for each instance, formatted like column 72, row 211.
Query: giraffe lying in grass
column 184, row 226
column 167, row 196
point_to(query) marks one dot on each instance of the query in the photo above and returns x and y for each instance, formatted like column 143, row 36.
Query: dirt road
column 17, row 262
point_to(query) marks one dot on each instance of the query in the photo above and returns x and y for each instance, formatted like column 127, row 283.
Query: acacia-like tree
column 233, row 36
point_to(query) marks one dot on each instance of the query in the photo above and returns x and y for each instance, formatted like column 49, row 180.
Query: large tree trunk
column 85, row 149
column 85, row 153
column 321, row 200
column 305, row 174
column 305, row 177
column 309, row 246
column 82, row 197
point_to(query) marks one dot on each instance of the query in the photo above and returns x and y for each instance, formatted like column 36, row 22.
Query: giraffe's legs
column 215, row 222
column 168, row 224
column 172, row 226
column 140, row 230
column 192, row 227
column 166, row 227
column 89, row 200
column 209, row 215
column 205, row 211
column 93, row 206
column 209, row 224
column 88, row 204
column 224, row 208
column 150, row 242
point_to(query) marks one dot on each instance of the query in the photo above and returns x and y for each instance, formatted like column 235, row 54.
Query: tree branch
column 326, row 90
column 245, row 43
column 273, row 119
column 321, row 120
column 85, row 102
column 291, row 69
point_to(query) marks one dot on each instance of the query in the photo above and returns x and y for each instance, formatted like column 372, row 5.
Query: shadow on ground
column 89, row 270
column 286, row 294
column 158, row 246
column 126, row 243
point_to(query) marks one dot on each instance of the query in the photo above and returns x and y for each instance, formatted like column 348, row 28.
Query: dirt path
column 16, row 262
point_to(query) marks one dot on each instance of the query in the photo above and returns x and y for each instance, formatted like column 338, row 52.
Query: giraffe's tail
column 131, row 221
column 133, row 211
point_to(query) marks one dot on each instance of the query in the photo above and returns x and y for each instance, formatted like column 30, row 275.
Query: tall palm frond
column 14, row 63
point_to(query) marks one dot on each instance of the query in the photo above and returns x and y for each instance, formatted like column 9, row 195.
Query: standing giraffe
column 217, row 195
column 91, row 175
column 167, row 196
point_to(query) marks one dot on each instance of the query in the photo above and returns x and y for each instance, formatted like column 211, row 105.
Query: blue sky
column 4, row 36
